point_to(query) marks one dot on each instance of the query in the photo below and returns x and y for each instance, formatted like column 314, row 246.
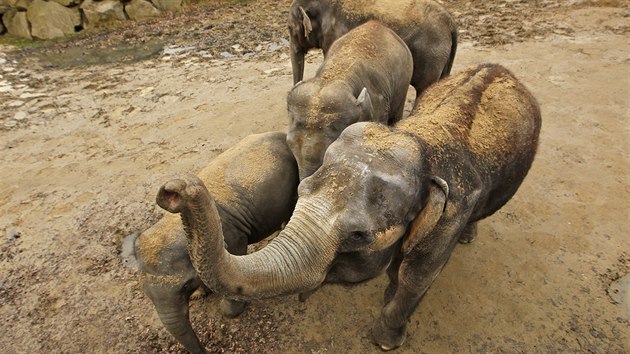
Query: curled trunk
column 295, row 261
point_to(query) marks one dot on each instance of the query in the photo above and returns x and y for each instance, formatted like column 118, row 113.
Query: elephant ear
column 306, row 22
column 364, row 101
column 429, row 216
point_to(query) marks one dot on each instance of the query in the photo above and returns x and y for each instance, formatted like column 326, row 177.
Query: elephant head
column 317, row 116
column 168, row 278
column 370, row 187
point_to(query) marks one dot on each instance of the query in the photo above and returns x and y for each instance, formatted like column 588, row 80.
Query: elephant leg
column 418, row 268
column 469, row 234
column 392, row 274
column 414, row 278
column 231, row 308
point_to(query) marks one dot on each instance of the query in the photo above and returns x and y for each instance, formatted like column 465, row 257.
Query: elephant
column 412, row 190
column 365, row 77
column 254, row 184
column 426, row 27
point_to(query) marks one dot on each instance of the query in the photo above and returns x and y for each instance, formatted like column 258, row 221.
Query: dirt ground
column 85, row 148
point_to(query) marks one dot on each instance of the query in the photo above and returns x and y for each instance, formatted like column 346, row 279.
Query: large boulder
column 4, row 6
column 19, row 4
column 169, row 5
column 101, row 12
column 140, row 9
column 67, row 3
column 16, row 23
column 51, row 20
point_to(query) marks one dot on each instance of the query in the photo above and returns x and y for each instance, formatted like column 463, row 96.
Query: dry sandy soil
column 85, row 148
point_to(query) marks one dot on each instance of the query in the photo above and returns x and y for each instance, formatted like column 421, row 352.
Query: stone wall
column 46, row 19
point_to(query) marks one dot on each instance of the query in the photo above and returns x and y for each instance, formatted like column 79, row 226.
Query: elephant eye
column 188, row 286
column 358, row 235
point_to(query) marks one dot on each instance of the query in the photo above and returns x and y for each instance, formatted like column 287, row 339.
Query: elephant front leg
column 414, row 278
column 418, row 268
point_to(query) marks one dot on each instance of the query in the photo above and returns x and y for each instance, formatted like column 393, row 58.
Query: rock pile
column 46, row 19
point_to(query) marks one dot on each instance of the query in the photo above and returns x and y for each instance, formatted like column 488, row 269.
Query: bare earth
column 83, row 161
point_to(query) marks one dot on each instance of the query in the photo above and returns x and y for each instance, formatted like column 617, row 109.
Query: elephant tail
column 451, row 58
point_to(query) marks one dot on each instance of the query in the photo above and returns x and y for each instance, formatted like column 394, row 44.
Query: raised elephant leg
column 469, row 234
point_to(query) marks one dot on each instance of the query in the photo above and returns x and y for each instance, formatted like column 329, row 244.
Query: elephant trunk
column 177, row 322
column 297, row 62
column 297, row 260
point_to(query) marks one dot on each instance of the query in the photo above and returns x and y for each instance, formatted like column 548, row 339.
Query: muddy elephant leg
column 418, row 268
column 469, row 234
column 414, row 278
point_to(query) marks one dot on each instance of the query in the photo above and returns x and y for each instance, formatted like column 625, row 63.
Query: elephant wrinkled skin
column 254, row 184
column 425, row 26
column 365, row 77
column 412, row 190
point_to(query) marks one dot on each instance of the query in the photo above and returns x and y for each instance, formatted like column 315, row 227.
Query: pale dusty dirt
column 548, row 273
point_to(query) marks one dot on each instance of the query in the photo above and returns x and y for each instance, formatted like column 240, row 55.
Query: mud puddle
column 82, row 57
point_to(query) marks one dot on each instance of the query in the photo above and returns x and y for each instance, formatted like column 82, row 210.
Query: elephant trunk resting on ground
column 426, row 27
column 414, row 189
column 365, row 77
column 254, row 185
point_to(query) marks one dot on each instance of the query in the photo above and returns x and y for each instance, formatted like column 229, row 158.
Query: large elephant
column 254, row 184
column 414, row 189
column 428, row 29
column 365, row 77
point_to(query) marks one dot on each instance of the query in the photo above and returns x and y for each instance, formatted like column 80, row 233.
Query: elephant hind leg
column 231, row 308
column 469, row 234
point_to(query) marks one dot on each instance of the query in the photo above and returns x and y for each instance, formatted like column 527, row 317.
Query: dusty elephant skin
column 365, row 77
column 415, row 189
column 254, row 185
column 426, row 27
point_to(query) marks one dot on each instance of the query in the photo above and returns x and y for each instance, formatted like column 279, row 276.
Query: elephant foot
column 469, row 233
column 388, row 338
column 231, row 308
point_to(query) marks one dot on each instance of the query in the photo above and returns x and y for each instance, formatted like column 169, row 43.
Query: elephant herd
column 359, row 189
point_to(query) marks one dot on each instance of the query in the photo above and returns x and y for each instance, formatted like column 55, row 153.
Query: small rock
column 176, row 50
column 10, row 123
column 13, row 234
column 227, row 55
column 204, row 54
column 20, row 115
column 273, row 47
column 237, row 47
column 16, row 103
column 26, row 96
